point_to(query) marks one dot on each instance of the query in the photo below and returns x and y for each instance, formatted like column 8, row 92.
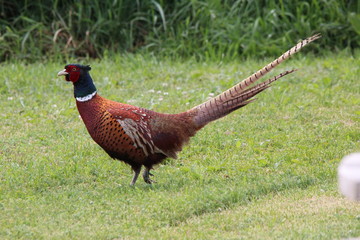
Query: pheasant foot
column 146, row 176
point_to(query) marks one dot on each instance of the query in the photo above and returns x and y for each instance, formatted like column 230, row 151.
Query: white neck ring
column 86, row 98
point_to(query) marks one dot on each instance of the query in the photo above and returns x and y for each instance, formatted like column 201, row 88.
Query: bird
column 144, row 138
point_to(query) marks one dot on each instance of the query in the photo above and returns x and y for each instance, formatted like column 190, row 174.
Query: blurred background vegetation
column 215, row 29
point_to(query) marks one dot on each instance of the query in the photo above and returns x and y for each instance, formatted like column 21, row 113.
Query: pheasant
column 141, row 137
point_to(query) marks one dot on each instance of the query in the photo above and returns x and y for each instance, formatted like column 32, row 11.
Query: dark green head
column 79, row 75
column 73, row 72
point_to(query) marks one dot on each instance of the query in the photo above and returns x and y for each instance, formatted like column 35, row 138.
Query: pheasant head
column 80, row 77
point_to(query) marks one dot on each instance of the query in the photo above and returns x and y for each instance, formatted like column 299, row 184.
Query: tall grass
column 203, row 29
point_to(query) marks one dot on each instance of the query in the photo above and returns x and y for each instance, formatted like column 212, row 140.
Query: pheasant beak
column 62, row 73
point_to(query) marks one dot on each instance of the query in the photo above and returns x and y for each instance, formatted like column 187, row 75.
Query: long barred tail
column 241, row 94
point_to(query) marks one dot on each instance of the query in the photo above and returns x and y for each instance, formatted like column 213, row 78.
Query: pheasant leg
column 136, row 174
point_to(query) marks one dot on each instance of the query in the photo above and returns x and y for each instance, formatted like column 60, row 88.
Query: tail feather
column 241, row 94
column 266, row 84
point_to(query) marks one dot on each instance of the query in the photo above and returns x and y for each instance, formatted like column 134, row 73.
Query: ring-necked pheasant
column 142, row 137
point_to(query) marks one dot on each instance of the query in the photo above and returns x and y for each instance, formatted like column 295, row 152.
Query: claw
column 146, row 176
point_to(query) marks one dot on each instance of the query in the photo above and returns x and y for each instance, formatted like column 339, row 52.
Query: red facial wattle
column 73, row 76
column 72, row 73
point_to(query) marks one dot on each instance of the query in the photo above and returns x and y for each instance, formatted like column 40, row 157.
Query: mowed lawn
column 267, row 171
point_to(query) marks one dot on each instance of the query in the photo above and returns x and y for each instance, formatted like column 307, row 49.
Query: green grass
column 267, row 171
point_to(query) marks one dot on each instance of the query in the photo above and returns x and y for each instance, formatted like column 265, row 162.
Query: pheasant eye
column 74, row 69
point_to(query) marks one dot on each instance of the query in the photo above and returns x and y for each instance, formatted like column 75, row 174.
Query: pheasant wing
column 135, row 123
